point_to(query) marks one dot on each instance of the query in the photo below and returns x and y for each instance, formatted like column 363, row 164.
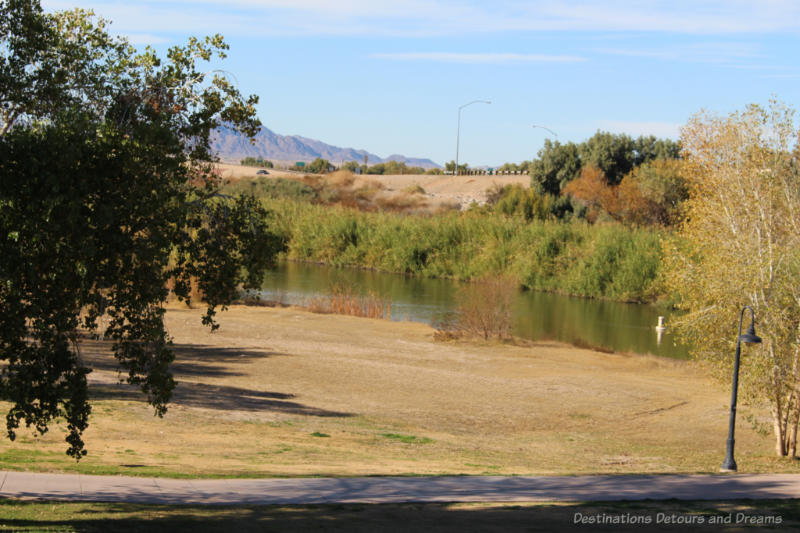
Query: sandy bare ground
column 461, row 190
column 236, row 172
column 287, row 392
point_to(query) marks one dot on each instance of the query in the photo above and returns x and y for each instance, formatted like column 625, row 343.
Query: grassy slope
column 286, row 392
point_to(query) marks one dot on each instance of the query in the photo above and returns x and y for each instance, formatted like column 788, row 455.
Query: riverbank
column 284, row 392
column 607, row 261
column 535, row 315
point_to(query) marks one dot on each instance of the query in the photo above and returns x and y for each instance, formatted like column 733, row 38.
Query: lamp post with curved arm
column 546, row 129
column 458, row 133
column 750, row 337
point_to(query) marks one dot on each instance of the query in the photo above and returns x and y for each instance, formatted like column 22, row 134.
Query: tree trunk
column 791, row 429
column 780, row 433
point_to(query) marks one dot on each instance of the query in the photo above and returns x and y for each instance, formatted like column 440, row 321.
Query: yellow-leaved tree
column 739, row 245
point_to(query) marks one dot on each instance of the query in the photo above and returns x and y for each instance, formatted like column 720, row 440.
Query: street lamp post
column 458, row 133
column 546, row 129
column 750, row 337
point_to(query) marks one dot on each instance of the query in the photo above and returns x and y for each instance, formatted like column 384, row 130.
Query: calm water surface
column 536, row 315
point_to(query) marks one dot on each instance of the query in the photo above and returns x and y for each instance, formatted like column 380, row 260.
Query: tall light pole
column 750, row 337
column 547, row 129
column 458, row 133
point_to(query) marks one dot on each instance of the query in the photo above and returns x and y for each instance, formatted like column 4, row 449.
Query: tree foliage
column 106, row 197
column 318, row 166
column 592, row 190
column 652, row 194
column 615, row 155
column 351, row 166
column 740, row 245
column 515, row 167
column 450, row 167
column 250, row 161
column 394, row 167
column 557, row 165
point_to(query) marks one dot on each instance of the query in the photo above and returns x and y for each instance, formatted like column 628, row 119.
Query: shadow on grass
column 440, row 517
column 190, row 360
column 223, row 398
column 198, row 361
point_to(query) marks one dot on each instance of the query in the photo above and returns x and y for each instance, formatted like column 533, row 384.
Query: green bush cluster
column 602, row 261
column 272, row 188
column 388, row 167
column 516, row 200
column 394, row 167
column 250, row 161
column 318, row 166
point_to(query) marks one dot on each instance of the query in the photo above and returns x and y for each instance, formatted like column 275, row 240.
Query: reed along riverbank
column 597, row 261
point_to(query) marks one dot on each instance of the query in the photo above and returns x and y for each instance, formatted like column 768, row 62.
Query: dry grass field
column 284, row 392
column 461, row 190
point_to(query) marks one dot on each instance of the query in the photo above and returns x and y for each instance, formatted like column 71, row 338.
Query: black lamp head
column 750, row 337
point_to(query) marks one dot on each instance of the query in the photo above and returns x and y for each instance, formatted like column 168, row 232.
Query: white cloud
column 699, row 52
column 144, row 38
column 635, row 129
column 446, row 17
column 486, row 58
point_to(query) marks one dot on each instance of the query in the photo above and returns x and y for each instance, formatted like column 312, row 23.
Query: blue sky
column 389, row 77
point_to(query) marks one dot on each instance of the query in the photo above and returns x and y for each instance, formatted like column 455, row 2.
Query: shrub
column 272, row 188
column 318, row 166
column 256, row 162
column 484, row 310
column 515, row 200
column 344, row 301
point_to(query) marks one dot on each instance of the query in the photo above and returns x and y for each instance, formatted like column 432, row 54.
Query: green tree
column 377, row 169
column 648, row 148
column 508, row 167
column 106, row 197
column 557, row 164
column 740, row 245
column 614, row 154
column 51, row 63
column 618, row 154
column 394, row 167
column 352, row 166
column 450, row 166
column 250, row 161
column 318, row 166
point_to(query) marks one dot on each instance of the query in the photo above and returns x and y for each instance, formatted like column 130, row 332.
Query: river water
column 536, row 315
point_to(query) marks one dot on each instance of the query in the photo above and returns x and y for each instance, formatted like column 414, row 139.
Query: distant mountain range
column 233, row 146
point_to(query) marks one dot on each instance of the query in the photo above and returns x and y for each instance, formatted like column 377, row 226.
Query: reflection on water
column 537, row 315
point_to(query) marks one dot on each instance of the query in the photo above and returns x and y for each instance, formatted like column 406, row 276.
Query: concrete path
column 75, row 487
